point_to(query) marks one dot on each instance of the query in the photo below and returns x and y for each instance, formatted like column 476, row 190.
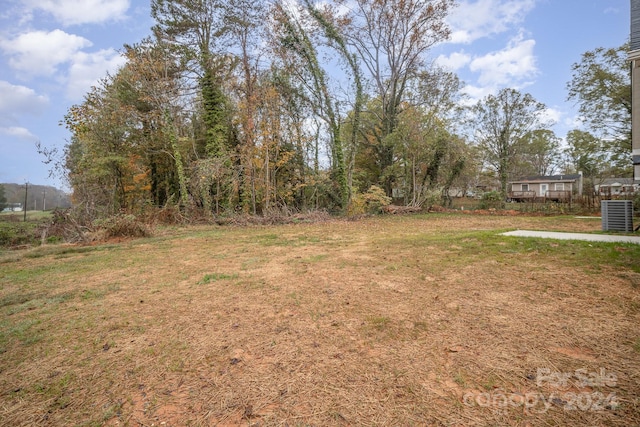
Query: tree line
column 39, row 197
column 257, row 107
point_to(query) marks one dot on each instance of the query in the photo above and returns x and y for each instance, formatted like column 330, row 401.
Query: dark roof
column 541, row 178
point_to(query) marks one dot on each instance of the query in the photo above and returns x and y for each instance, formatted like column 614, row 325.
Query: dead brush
column 124, row 225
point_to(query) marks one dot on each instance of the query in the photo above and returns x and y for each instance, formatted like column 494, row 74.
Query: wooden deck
column 522, row 196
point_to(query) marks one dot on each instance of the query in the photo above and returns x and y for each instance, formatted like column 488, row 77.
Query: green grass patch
column 89, row 294
column 55, row 251
column 214, row 277
column 279, row 239
column 25, row 331
column 15, row 299
column 460, row 378
column 461, row 247
column 272, row 239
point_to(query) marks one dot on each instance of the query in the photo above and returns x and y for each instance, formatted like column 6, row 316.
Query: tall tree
column 296, row 40
column 420, row 140
column 439, row 93
column 153, row 74
column 338, row 42
column 244, row 20
column 196, row 29
column 539, row 153
column 126, row 147
column 587, row 154
column 99, row 151
column 391, row 39
column 601, row 86
column 501, row 123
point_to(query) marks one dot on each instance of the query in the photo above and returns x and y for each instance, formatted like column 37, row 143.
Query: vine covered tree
column 300, row 56
column 196, row 30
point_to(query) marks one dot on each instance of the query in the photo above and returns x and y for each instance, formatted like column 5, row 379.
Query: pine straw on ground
column 425, row 320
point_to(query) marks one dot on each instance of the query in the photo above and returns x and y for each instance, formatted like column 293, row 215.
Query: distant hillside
column 38, row 196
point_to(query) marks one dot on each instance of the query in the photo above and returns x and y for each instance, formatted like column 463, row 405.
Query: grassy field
column 410, row 320
column 15, row 232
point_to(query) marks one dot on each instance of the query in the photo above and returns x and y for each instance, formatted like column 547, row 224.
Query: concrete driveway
column 575, row 236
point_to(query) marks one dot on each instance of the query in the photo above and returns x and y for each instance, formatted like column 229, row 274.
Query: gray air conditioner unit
column 617, row 215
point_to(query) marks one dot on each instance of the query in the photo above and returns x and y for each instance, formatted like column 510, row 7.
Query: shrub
column 370, row 202
column 431, row 198
column 491, row 200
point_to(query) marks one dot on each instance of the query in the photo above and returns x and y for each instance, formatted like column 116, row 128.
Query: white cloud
column 41, row 52
column 473, row 20
column 15, row 102
column 16, row 99
column 512, row 66
column 18, row 132
column 455, row 61
column 87, row 68
column 57, row 53
column 552, row 115
column 74, row 12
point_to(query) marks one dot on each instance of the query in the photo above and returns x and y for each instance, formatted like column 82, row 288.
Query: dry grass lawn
column 394, row 321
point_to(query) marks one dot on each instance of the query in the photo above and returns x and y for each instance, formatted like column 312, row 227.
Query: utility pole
column 26, row 189
column 44, row 200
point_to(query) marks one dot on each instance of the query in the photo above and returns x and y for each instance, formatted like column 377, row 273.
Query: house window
column 525, row 187
column 559, row 186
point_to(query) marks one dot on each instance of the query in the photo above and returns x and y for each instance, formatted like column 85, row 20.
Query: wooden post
column 26, row 189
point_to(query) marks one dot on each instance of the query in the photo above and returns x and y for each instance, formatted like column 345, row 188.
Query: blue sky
column 52, row 51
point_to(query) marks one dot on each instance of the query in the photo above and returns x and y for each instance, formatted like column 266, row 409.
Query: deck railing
column 559, row 195
column 522, row 195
